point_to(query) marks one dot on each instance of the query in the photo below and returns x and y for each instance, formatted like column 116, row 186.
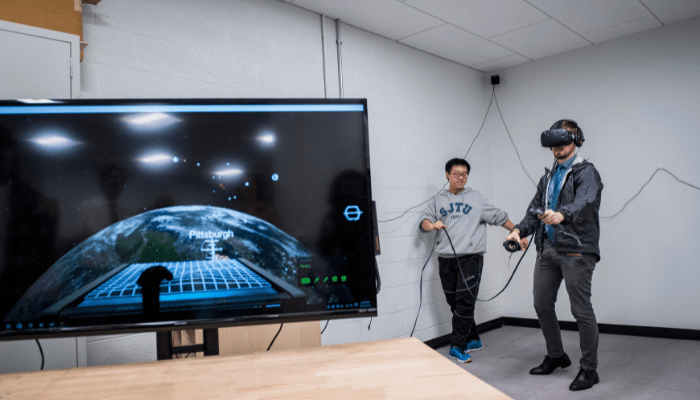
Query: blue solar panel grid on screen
column 193, row 282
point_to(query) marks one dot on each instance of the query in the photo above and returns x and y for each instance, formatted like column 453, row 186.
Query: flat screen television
column 149, row 215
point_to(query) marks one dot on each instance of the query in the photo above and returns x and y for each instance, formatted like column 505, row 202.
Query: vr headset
column 557, row 135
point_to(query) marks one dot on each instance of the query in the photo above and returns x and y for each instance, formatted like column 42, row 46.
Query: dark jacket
column 579, row 203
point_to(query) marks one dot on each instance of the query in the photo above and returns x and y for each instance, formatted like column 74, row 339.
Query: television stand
column 166, row 350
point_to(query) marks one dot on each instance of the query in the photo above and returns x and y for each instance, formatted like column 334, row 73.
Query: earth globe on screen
column 181, row 233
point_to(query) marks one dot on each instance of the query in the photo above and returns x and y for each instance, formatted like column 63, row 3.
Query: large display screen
column 133, row 215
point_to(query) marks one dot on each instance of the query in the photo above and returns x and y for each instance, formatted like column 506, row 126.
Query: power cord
column 481, row 268
column 493, row 96
column 42, row 354
column 511, row 138
column 642, row 188
column 273, row 339
column 420, row 304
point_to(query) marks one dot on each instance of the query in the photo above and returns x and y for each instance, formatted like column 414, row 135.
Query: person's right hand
column 524, row 243
column 514, row 235
column 438, row 225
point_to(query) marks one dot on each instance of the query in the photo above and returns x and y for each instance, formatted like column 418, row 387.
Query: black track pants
column 460, row 299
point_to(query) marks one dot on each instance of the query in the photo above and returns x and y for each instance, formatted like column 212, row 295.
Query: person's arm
column 527, row 226
column 529, row 222
column 428, row 226
column 429, row 215
column 587, row 188
column 508, row 225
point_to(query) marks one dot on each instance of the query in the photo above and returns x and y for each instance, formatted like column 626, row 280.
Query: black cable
column 421, row 283
column 324, row 328
column 479, row 279
column 273, row 339
column 493, row 95
column 370, row 323
column 642, row 188
column 42, row 354
column 511, row 138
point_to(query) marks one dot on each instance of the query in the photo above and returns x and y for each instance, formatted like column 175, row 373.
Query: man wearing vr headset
column 564, row 216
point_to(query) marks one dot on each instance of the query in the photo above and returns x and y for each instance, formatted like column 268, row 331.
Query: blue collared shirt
column 559, row 174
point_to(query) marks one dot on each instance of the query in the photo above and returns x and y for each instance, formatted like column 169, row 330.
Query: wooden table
column 394, row 369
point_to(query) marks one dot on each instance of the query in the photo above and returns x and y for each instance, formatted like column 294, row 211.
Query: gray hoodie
column 465, row 215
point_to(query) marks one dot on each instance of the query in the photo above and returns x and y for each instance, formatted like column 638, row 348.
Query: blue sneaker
column 473, row 346
column 460, row 355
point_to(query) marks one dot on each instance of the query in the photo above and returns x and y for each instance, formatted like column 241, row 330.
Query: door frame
column 73, row 40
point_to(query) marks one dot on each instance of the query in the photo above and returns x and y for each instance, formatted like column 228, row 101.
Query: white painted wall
column 423, row 110
column 636, row 99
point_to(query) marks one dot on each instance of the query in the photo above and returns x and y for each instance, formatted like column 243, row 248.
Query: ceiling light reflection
column 160, row 158
column 267, row 138
column 38, row 101
column 228, row 172
column 151, row 121
column 53, row 141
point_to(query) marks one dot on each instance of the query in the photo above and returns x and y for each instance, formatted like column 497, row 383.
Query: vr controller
column 511, row 245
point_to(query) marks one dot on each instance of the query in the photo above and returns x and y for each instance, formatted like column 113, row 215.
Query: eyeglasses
column 456, row 176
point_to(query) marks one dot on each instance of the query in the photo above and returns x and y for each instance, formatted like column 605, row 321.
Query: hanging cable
column 511, row 138
column 645, row 183
column 420, row 303
column 42, row 354
column 273, row 339
column 481, row 267
column 493, row 95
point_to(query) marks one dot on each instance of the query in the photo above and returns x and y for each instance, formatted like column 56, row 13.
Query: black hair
column 457, row 161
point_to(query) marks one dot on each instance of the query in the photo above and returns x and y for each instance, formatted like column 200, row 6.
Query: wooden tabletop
column 402, row 369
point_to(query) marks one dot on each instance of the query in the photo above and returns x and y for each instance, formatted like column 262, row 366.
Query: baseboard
column 614, row 329
column 628, row 330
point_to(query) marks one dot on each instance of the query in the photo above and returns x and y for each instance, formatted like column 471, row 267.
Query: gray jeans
column 577, row 271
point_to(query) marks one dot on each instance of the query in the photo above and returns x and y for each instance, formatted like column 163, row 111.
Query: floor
column 629, row 367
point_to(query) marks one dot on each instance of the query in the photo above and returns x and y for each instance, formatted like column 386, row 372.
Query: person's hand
column 551, row 218
column 438, row 225
column 524, row 243
column 514, row 235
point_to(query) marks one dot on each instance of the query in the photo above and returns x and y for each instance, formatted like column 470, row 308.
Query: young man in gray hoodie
column 464, row 213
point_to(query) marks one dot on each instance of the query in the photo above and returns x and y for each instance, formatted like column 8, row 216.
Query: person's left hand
column 551, row 217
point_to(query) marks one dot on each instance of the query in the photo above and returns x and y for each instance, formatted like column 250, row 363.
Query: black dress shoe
column 584, row 380
column 550, row 364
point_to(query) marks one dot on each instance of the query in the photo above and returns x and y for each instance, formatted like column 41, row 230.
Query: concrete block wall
column 423, row 110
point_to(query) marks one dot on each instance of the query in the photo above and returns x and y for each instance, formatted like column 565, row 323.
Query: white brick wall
column 423, row 110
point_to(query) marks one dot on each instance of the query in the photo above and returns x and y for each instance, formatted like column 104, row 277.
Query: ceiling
column 488, row 35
